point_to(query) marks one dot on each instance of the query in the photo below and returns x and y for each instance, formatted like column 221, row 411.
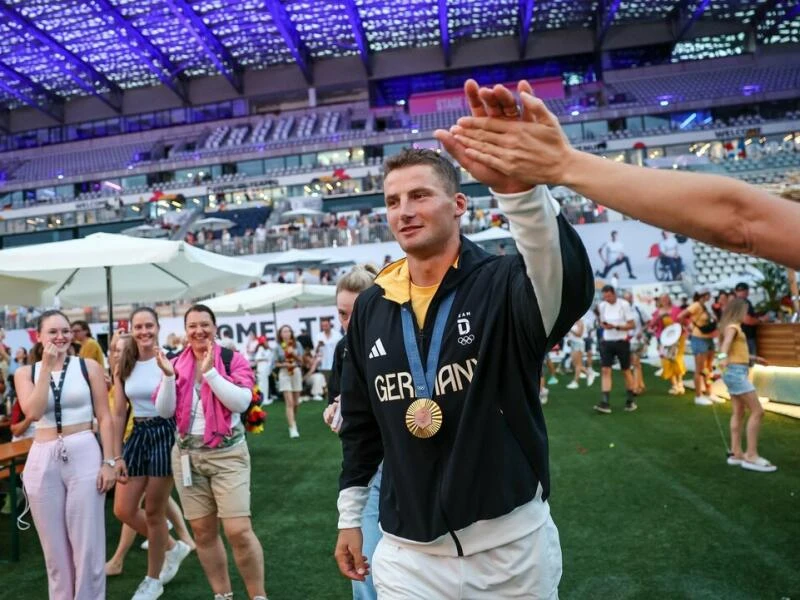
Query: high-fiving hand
column 500, row 143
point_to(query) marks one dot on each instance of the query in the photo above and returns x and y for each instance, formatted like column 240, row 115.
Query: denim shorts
column 701, row 345
column 735, row 378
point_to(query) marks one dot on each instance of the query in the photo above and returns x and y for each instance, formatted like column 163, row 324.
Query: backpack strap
column 85, row 373
column 226, row 354
column 33, row 373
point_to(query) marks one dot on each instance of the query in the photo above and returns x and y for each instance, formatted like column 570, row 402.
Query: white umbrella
column 212, row 223
column 79, row 271
column 275, row 295
column 302, row 212
column 146, row 231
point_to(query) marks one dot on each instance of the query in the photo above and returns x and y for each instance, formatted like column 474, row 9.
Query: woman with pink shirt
column 672, row 364
column 206, row 388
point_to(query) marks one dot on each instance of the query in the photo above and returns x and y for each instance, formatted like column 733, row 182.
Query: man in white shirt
column 613, row 254
column 668, row 248
column 261, row 238
column 617, row 320
column 326, row 346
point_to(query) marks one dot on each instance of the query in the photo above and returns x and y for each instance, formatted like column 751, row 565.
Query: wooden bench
column 12, row 463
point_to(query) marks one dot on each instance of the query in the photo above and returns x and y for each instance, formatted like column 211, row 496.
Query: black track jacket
column 457, row 492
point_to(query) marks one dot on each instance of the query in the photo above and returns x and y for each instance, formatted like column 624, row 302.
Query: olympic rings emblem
column 465, row 340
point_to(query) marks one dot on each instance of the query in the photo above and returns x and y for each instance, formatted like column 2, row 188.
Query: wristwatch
column 110, row 462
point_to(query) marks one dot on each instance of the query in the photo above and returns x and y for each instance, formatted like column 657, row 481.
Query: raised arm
column 555, row 259
column 722, row 211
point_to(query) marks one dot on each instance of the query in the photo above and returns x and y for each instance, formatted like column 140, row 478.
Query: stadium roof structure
column 54, row 50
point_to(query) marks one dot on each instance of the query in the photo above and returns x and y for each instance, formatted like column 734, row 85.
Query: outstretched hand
column 496, row 103
column 530, row 150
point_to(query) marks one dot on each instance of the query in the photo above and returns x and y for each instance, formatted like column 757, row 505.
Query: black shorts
column 620, row 349
column 148, row 451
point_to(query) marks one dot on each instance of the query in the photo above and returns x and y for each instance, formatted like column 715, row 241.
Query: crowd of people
column 626, row 333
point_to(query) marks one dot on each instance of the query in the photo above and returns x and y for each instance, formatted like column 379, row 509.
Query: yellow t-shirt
column 129, row 423
column 420, row 301
column 738, row 353
column 699, row 316
column 90, row 349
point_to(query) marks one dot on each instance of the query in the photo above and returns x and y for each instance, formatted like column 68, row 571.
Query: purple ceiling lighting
column 150, row 55
column 291, row 37
column 219, row 55
column 358, row 32
column 84, row 75
column 526, row 8
column 444, row 31
column 41, row 99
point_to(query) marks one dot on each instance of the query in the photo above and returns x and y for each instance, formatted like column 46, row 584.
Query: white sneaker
column 293, row 433
column 590, row 378
column 144, row 545
column 317, row 398
column 659, row 373
column 543, row 394
column 582, row 375
column 149, row 589
column 172, row 561
column 573, row 385
column 702, row 401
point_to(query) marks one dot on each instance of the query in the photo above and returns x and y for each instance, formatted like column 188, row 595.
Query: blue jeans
column 365, row 590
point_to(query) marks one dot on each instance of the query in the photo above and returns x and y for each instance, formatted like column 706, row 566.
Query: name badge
column 186, row 470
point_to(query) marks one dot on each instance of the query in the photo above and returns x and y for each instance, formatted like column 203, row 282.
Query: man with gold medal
column 440, row 382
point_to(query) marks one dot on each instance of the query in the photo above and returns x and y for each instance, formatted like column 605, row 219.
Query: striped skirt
column 147, row 452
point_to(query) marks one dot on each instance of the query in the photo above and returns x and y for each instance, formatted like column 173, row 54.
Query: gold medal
column 424, row 418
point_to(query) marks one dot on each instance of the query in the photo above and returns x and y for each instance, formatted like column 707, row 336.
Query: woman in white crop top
column 145, row 467
column 67, row 473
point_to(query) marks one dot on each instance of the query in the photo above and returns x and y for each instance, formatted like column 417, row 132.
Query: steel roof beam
column 606, row 11
column 444, row 32
column 155, row 60
column 52, row 106
column 291, row 37
column 525, row 22
column 96, row 79
column 686, row 18
column 358, row 32
column 223, row 60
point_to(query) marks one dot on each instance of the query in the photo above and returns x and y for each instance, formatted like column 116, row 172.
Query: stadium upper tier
column 336, row 127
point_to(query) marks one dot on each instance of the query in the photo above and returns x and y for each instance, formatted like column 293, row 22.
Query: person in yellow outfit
column 89, row 346
column 672, row 365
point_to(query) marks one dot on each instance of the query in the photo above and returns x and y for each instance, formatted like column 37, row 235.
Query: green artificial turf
column 645, row 505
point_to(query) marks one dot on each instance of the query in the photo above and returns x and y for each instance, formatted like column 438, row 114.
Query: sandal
column 733, row 460
column 761, row 464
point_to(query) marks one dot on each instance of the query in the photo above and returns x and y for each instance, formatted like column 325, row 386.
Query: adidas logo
column 377, row 349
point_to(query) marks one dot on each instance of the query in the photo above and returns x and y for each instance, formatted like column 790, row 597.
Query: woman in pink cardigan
column 210, row 459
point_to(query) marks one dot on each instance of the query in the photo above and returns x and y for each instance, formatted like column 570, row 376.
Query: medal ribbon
column 425, row 380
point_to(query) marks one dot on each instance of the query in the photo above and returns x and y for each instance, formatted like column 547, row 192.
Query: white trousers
column 528, row 568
